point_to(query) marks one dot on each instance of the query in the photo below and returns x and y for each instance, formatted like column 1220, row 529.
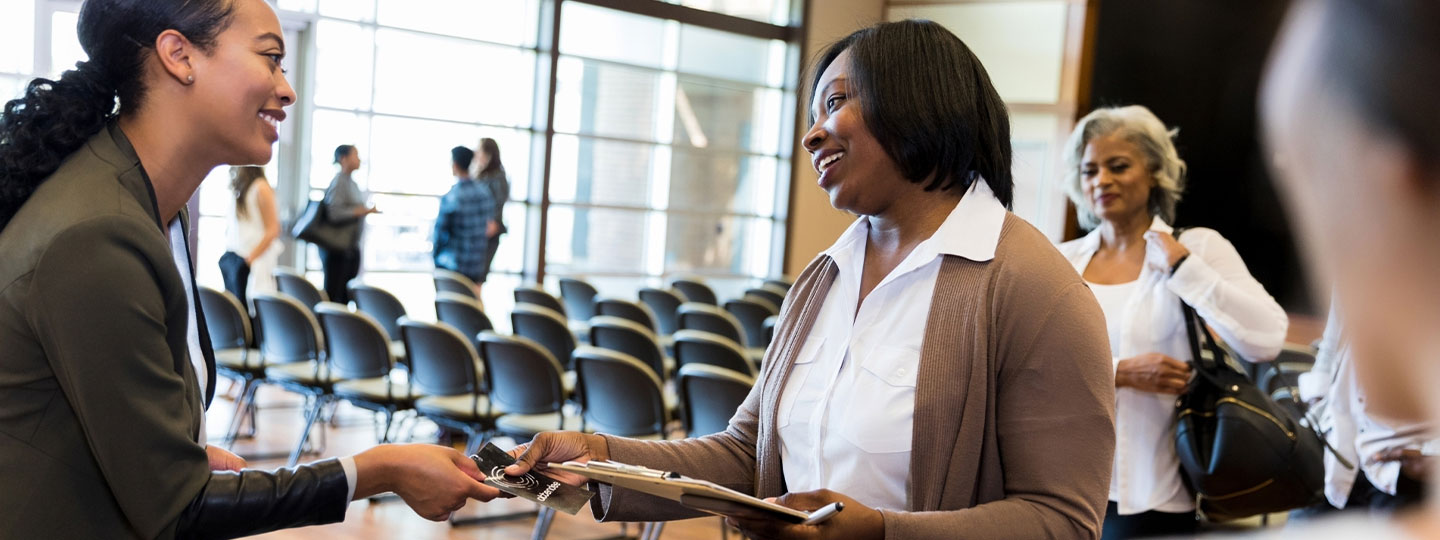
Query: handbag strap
column 1194, row 329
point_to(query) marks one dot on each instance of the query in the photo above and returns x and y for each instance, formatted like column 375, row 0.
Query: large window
column 669, row 158
column 667, row 149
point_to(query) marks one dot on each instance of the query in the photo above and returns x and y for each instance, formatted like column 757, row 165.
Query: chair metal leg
column 310, row 417
column 542, row 523
column 724, row 530
column 655, row 529
column 389, row 419
column 243, row 405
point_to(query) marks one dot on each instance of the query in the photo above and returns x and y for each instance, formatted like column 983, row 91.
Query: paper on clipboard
column 697, row 494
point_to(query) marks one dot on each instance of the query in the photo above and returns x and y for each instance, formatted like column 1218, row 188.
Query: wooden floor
column 280, row 423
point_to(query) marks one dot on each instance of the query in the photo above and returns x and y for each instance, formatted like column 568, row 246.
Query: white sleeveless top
column 245, row 232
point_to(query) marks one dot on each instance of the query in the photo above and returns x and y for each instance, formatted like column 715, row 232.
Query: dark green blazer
column 99, row 406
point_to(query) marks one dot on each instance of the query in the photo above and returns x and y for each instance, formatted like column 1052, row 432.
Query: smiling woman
column 926, row 366
column 107, row 366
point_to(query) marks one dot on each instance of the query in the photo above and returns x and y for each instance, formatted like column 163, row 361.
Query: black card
column 532, row 486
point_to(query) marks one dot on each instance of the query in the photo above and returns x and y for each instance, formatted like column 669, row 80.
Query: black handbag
column 236, row 273
column 313, row 226
column 1240, row 452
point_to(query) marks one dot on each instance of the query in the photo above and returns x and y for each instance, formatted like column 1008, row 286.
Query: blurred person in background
column 1378, row 464
column 491, row 173
column 1125, row 177
column 253, row 225
column 1351, row 120
column 345, row 206
column 467, row 213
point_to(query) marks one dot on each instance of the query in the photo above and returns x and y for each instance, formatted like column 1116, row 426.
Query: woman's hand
column 856, row 521
column 1153, row 372
column 1162, row 250
column 434, row 480
column 223, row 460
column 492, row 229
column 559, row 447
column 1413, row 464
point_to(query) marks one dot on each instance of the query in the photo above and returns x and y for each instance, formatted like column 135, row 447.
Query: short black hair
column 928, row 101
column 1383, row 59
column 342, row 151
column 462, row 157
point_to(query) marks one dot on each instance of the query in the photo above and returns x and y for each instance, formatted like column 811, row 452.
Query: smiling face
column 240, row 91
column 855, row 170
column 1115, row 178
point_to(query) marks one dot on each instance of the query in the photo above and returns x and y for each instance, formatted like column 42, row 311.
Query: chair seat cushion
column 397, row 348
column 240, row 359
column 373, row 390
column 527, row 425
column 463, row 407
column 567, row 381
column 301, row 373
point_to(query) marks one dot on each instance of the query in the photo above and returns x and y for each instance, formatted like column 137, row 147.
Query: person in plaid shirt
column 465, row 212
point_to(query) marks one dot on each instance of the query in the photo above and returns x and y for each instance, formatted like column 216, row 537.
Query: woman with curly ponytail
column 106, row 374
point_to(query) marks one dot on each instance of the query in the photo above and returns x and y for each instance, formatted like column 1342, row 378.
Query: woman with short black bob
column 106, row 367
column 940, row 370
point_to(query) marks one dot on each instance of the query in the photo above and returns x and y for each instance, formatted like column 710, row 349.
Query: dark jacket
column 99, row 406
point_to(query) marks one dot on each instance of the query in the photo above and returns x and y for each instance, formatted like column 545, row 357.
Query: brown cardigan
column 1014, row 406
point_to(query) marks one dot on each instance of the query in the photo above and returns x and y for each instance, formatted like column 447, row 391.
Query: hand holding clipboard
column 698, row 494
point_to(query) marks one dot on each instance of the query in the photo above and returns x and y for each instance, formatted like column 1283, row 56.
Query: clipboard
column 693, row 493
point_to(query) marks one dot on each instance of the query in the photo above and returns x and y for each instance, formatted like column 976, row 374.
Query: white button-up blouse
column 846, row 415
column 1214, row 281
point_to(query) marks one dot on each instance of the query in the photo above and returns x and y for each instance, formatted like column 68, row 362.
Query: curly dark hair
column 55, row 117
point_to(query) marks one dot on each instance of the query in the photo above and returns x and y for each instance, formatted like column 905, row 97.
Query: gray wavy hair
column 1137, row 125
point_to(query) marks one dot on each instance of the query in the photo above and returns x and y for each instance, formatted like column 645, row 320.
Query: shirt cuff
column 348, row 463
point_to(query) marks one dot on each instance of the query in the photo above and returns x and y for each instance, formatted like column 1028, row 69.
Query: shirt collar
column 1091, row 242
column 972, row 230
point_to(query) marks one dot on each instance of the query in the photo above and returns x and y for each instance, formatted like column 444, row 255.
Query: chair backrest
column 708, row 318
column 774, row 296
column 442, row 362
column 665, row 304
column 226, row 319
column 616, row 334
column 619, row 394
column 522, row 376
column 699, row 347
column 463, row 313
column 579, row 297
column 290, row 282
column 526, row 294
column 751, row 312
column 356, row 346
column 781, row 283
column 768, row 329
column 289, row 332
column 450, row 281
column 710, row 396
column 695, row 291
column 625, row 309
column 380, row 304
column 546, row 327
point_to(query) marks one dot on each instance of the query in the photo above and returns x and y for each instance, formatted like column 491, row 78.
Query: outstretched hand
column 558, row 447
column 433, row 480
column 856, row 522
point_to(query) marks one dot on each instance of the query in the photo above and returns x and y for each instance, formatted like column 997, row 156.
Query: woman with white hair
column 1124, row 175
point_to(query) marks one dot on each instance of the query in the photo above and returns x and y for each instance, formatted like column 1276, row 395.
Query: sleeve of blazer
column 1055, row 425
column 100, row 315
column 726, row 458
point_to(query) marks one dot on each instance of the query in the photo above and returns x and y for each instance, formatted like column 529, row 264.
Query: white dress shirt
column 846, row 417
column 1214, row 281
column 1343, row 419
column 180, row 252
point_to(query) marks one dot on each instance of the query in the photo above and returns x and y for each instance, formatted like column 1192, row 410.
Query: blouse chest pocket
column 881, row 409
column 801, row 394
